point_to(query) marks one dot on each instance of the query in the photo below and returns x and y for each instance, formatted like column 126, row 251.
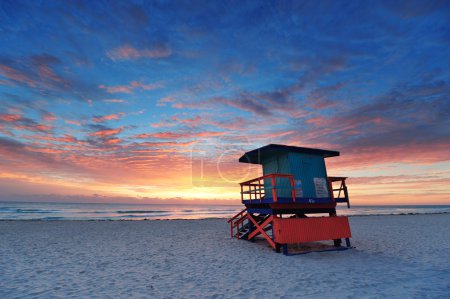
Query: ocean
column 103, row 211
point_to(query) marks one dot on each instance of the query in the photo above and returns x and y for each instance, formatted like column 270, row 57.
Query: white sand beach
column 395, row 256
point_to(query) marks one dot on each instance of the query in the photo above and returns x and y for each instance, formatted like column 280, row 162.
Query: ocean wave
column 141, row 212
column 26, row 211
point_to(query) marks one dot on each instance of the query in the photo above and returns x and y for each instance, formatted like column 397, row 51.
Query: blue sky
column 104, row 97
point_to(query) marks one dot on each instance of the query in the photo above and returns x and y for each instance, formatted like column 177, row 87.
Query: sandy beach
column 395, row 256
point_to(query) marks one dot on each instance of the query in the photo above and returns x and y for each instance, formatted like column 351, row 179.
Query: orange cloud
column 108, row 117
column 112, row 141
column 103, row 133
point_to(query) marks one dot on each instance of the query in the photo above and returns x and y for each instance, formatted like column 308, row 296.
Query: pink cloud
column 163, row 101
column 73, row 122
column 98, row 119
column 65, row 138
column 164, row 124
column 159, row 144
column 190, row 122
column 104, row 133
column 49, row 117
column 116, row 89
column 127, row 52
column 10, row 117
column 36, row 128
column 46, row 72
column 130, row 87
column 15, row 75
column 18, row 122
column 112, row 141
column 172, row 135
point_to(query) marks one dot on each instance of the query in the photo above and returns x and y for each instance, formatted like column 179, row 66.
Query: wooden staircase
column 246, row 226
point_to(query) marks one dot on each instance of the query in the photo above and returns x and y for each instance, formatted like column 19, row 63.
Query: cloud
column 44, row 75
column 245, row 102
column 131, row 87
column 190, row 122
column 103, row 118
column 408, row 124
column 324, row 97
column 163, row 101
column 18, row 122
column 172, row 135
column 48, row 116
column 164, row 144
column 114, row 101
column 10, row 143
column 127, row 52
column 73, row 122
column 111, row 141
column 260, row 103
column 64, row 139
column 10, row 117
column 175, row 120
column 17, row 75
column 104, row 132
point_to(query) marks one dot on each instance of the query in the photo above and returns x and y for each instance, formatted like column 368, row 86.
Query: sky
column 155, row 101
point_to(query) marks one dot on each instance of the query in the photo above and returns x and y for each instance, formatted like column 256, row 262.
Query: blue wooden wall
column 277, row 164
column 304, row 167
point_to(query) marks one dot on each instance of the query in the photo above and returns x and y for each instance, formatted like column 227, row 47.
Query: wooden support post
column 330, row 186
column 260, row 188
column 231, row 229
column 346, row 195
column 294, row 193
column 347, row 242
column 242, row 194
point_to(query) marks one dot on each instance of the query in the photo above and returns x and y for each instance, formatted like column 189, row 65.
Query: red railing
column 237, row 222
column 254, row 190
column 342, row 192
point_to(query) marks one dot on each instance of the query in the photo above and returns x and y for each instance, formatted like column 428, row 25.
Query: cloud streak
column 127, row 52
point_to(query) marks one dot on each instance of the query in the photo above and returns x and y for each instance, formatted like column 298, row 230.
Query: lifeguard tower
column 294, row 185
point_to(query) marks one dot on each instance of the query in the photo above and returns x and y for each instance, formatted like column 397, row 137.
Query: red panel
column 300, row 230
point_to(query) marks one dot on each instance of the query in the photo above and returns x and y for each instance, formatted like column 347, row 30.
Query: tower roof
column 257, row 155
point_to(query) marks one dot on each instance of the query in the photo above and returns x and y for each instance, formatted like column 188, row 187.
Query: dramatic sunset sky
column 108, row 101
